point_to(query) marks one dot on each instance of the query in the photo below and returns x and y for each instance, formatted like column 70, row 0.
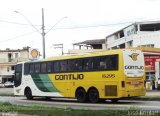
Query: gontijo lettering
column 69, row 77
column 134, row 67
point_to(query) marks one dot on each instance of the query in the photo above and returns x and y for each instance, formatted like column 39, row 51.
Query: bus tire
column 81, row 95
column 114, row 100
column 102, row 100
column 28, row 93
column 48, row 98
column 93, row 95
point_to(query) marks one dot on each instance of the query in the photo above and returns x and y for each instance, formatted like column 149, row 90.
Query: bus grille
column 110, row 90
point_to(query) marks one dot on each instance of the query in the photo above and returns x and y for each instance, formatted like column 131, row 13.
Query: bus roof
column 80, row 55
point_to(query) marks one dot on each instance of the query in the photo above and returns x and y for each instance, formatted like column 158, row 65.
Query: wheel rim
column 29, row 94
column 81, row 95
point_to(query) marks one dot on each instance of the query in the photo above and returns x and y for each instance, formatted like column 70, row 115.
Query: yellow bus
column 96, row 76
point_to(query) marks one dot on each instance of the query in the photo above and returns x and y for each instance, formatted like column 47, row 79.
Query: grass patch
column 50, row 111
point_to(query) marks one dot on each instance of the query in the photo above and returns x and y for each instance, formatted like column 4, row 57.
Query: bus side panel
column 38, row 87
column 67, row 86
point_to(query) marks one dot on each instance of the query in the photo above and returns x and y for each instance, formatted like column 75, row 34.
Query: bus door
column 18, row 75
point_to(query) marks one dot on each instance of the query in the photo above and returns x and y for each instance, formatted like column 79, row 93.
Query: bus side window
column 114, row 62
column 71, row 65
column 56, row 66
column 87, row 64
column 43, row 67
column 78, row 65
column 26, row 68
column 95, row 63
column 90, row 66
column 102, row 63
column 63, row 66
column 50, row 67
column 31, row 68
column 37, row 67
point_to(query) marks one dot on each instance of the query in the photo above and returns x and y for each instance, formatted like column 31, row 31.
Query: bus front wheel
column 28, row 93
column 93, row 95
column 81, row 95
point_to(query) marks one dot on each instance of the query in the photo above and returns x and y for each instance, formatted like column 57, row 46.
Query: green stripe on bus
column 47, row 83
column 43, row 83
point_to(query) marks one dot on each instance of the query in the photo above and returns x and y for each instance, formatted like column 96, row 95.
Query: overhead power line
column 111, row 24
column 52, row 28
column 96, row 25
column 5, row 21
column 76, row 27
column 17, row 37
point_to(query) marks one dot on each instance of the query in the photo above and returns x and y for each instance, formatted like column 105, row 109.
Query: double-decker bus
column 113, row 75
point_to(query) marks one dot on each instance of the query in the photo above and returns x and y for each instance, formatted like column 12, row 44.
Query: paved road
column 6, row 91
column 72, row 103
column 153, row 93
column 61, row 102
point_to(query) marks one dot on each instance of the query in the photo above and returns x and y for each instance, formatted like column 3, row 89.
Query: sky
column 84, row 20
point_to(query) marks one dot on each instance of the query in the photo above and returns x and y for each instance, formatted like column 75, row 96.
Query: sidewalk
column 6, row 91
column 153, row 93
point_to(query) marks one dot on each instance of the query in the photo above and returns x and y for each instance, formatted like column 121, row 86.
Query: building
column 9, row 58
column 139, row 34
column 88, row 46
column 151, row 58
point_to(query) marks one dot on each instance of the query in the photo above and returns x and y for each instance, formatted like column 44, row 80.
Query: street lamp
column 43, row 32
column 27, row 20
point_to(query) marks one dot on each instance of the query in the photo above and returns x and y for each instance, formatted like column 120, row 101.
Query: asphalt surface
column 6, row 91
column 72, row 103
column 153, row 93
column 149, row 93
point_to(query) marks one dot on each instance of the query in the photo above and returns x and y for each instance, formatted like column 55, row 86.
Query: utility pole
column 43, row 35
column 43, row 30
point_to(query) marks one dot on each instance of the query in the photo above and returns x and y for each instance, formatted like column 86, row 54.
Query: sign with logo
column 134, row 56
column 33, row 53
column 133, row 63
